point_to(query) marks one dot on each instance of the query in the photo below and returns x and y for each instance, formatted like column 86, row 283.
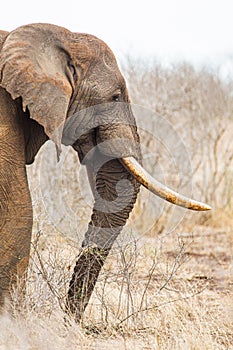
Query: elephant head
column 67, row 87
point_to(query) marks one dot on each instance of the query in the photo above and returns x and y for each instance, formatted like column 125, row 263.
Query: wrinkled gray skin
column 47, row 75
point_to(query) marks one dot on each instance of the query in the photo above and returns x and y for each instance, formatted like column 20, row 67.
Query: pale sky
column 200, row 31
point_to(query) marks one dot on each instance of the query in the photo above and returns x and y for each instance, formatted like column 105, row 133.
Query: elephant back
column 3, row 36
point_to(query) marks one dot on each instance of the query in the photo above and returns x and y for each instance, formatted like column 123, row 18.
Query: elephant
column 66, row 87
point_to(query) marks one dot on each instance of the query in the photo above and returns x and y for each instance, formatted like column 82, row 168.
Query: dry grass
column 169, row 292
column 168, row 281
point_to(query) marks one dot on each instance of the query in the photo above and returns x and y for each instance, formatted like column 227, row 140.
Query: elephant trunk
column 115, row 193
column 84, row 277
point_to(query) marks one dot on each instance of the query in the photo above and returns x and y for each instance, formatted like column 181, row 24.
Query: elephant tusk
column 145, row 179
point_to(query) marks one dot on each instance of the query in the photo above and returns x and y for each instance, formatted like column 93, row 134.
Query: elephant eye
column 72, row 69
column 116, row 97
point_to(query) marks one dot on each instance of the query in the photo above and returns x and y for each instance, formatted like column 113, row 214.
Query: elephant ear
column 33, row 65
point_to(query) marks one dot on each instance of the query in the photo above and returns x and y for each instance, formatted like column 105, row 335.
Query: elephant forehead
column 88, row 47
column 84, row 47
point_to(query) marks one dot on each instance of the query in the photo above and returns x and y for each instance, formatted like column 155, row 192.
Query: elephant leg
column 114, row 200
column 15, row 237
column 15, row 229
column 15, row 204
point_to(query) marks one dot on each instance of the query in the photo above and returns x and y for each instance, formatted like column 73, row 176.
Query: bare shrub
column 200, row 107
